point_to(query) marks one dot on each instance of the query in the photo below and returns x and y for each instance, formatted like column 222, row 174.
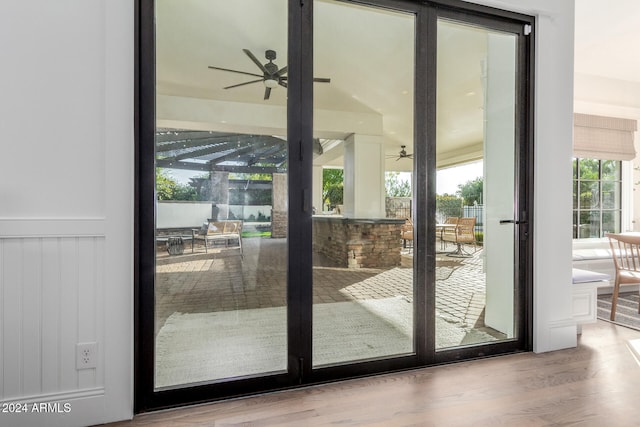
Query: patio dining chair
column 447, row 226
column 463, row 234
column 407, row 232
column 625, row 249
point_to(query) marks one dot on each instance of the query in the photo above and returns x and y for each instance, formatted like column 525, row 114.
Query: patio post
column 364, row 177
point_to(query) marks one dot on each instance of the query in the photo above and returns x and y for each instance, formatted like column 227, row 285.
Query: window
column 597, row 207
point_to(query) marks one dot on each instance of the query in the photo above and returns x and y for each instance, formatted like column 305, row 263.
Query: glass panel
column 611, row 170
column 610, row 222
column 221, row 183
column 575, row 195
column 589, row 194
column 589, row 169
column 610, row 195
column 362, row 237
column 589, row 224
column 476, row 81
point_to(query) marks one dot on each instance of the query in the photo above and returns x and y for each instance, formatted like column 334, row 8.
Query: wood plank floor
column 595, row 384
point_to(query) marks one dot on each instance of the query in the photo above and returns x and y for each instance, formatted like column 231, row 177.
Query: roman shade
column 604, row 138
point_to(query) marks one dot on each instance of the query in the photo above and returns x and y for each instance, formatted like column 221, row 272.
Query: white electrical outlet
column 86, row 355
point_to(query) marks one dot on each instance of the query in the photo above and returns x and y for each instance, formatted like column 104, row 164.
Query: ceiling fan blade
column 267, row 93
column 245, row 83
column 321, row 80
column 283, row 71
column 234, row 71
column 255, row 60
column 283, row 84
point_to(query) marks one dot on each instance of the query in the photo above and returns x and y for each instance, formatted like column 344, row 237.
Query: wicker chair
column 407, row 232
column 461, row 235
column 625, row 250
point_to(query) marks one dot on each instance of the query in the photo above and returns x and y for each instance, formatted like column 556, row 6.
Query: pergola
column 209, row 151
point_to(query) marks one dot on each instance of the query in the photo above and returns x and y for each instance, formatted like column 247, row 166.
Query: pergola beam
column 208, row 167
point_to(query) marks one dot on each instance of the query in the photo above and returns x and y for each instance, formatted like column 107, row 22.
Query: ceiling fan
column 402, row 154
column 271, row 76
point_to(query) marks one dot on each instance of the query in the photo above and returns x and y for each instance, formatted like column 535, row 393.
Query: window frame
column 624, row 197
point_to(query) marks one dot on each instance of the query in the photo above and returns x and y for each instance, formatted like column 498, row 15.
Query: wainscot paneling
column 51, row 298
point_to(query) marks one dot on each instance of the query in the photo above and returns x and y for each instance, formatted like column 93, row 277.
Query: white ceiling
column 607, row 53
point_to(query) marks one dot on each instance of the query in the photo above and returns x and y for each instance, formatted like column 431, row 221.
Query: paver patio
column 221, row 280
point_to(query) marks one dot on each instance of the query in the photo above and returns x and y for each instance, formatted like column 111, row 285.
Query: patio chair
column 625, row 251
column 447, row 226
column 463, row 233
column 407, row 232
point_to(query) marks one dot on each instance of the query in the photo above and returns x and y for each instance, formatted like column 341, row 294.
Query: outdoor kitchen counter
column 358, row 242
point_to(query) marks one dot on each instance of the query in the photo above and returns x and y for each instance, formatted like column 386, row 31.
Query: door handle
column 512, row 221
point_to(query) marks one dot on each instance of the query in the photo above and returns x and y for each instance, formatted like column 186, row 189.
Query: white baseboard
column 560, row 334
column 76, row 409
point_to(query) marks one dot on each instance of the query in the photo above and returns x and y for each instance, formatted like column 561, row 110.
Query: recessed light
column 405, row 92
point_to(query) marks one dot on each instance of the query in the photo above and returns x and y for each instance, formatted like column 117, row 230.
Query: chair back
column 451, row 220
column 625, row 250
column 465, row 230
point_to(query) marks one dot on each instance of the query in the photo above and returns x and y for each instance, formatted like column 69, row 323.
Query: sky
column 447, row 180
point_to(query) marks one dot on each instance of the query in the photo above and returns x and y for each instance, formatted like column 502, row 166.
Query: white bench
column 584, row 295
column 593, row 255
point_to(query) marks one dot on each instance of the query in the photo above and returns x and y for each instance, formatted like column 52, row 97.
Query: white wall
column 182, row 214
column 66, row 218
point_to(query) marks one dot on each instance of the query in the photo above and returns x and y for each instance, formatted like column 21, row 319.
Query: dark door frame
column 300, row 140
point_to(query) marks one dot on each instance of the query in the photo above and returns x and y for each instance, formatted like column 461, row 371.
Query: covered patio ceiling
column 367, row 53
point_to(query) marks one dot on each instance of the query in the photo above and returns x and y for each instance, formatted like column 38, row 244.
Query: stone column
column 280, row 206
column 364, row 177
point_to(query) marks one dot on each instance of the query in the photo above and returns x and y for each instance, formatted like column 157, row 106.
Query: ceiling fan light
column 271, row 83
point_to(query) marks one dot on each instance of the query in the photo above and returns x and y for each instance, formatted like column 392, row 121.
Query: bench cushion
column 585, row 276
column 587, row 254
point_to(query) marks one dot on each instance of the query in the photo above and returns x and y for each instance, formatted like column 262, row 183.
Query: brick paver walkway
column 222, row 280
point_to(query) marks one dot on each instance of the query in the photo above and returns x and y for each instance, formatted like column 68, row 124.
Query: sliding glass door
column 476, row 145
column 363, row 287
column 292, row 225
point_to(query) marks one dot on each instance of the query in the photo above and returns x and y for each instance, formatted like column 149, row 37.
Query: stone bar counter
column 358, row 243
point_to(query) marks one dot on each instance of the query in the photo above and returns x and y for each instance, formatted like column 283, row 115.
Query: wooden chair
column 407, row 232
column 464, row 233
column 625, row 251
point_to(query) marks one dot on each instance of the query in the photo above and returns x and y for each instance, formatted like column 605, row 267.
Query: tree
column 332, row 186
column 396, row 187
column 168, row 188
column 165, row 185
column 331, row 177
column 334, row 194
column 471, row 191
column 448, row 205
